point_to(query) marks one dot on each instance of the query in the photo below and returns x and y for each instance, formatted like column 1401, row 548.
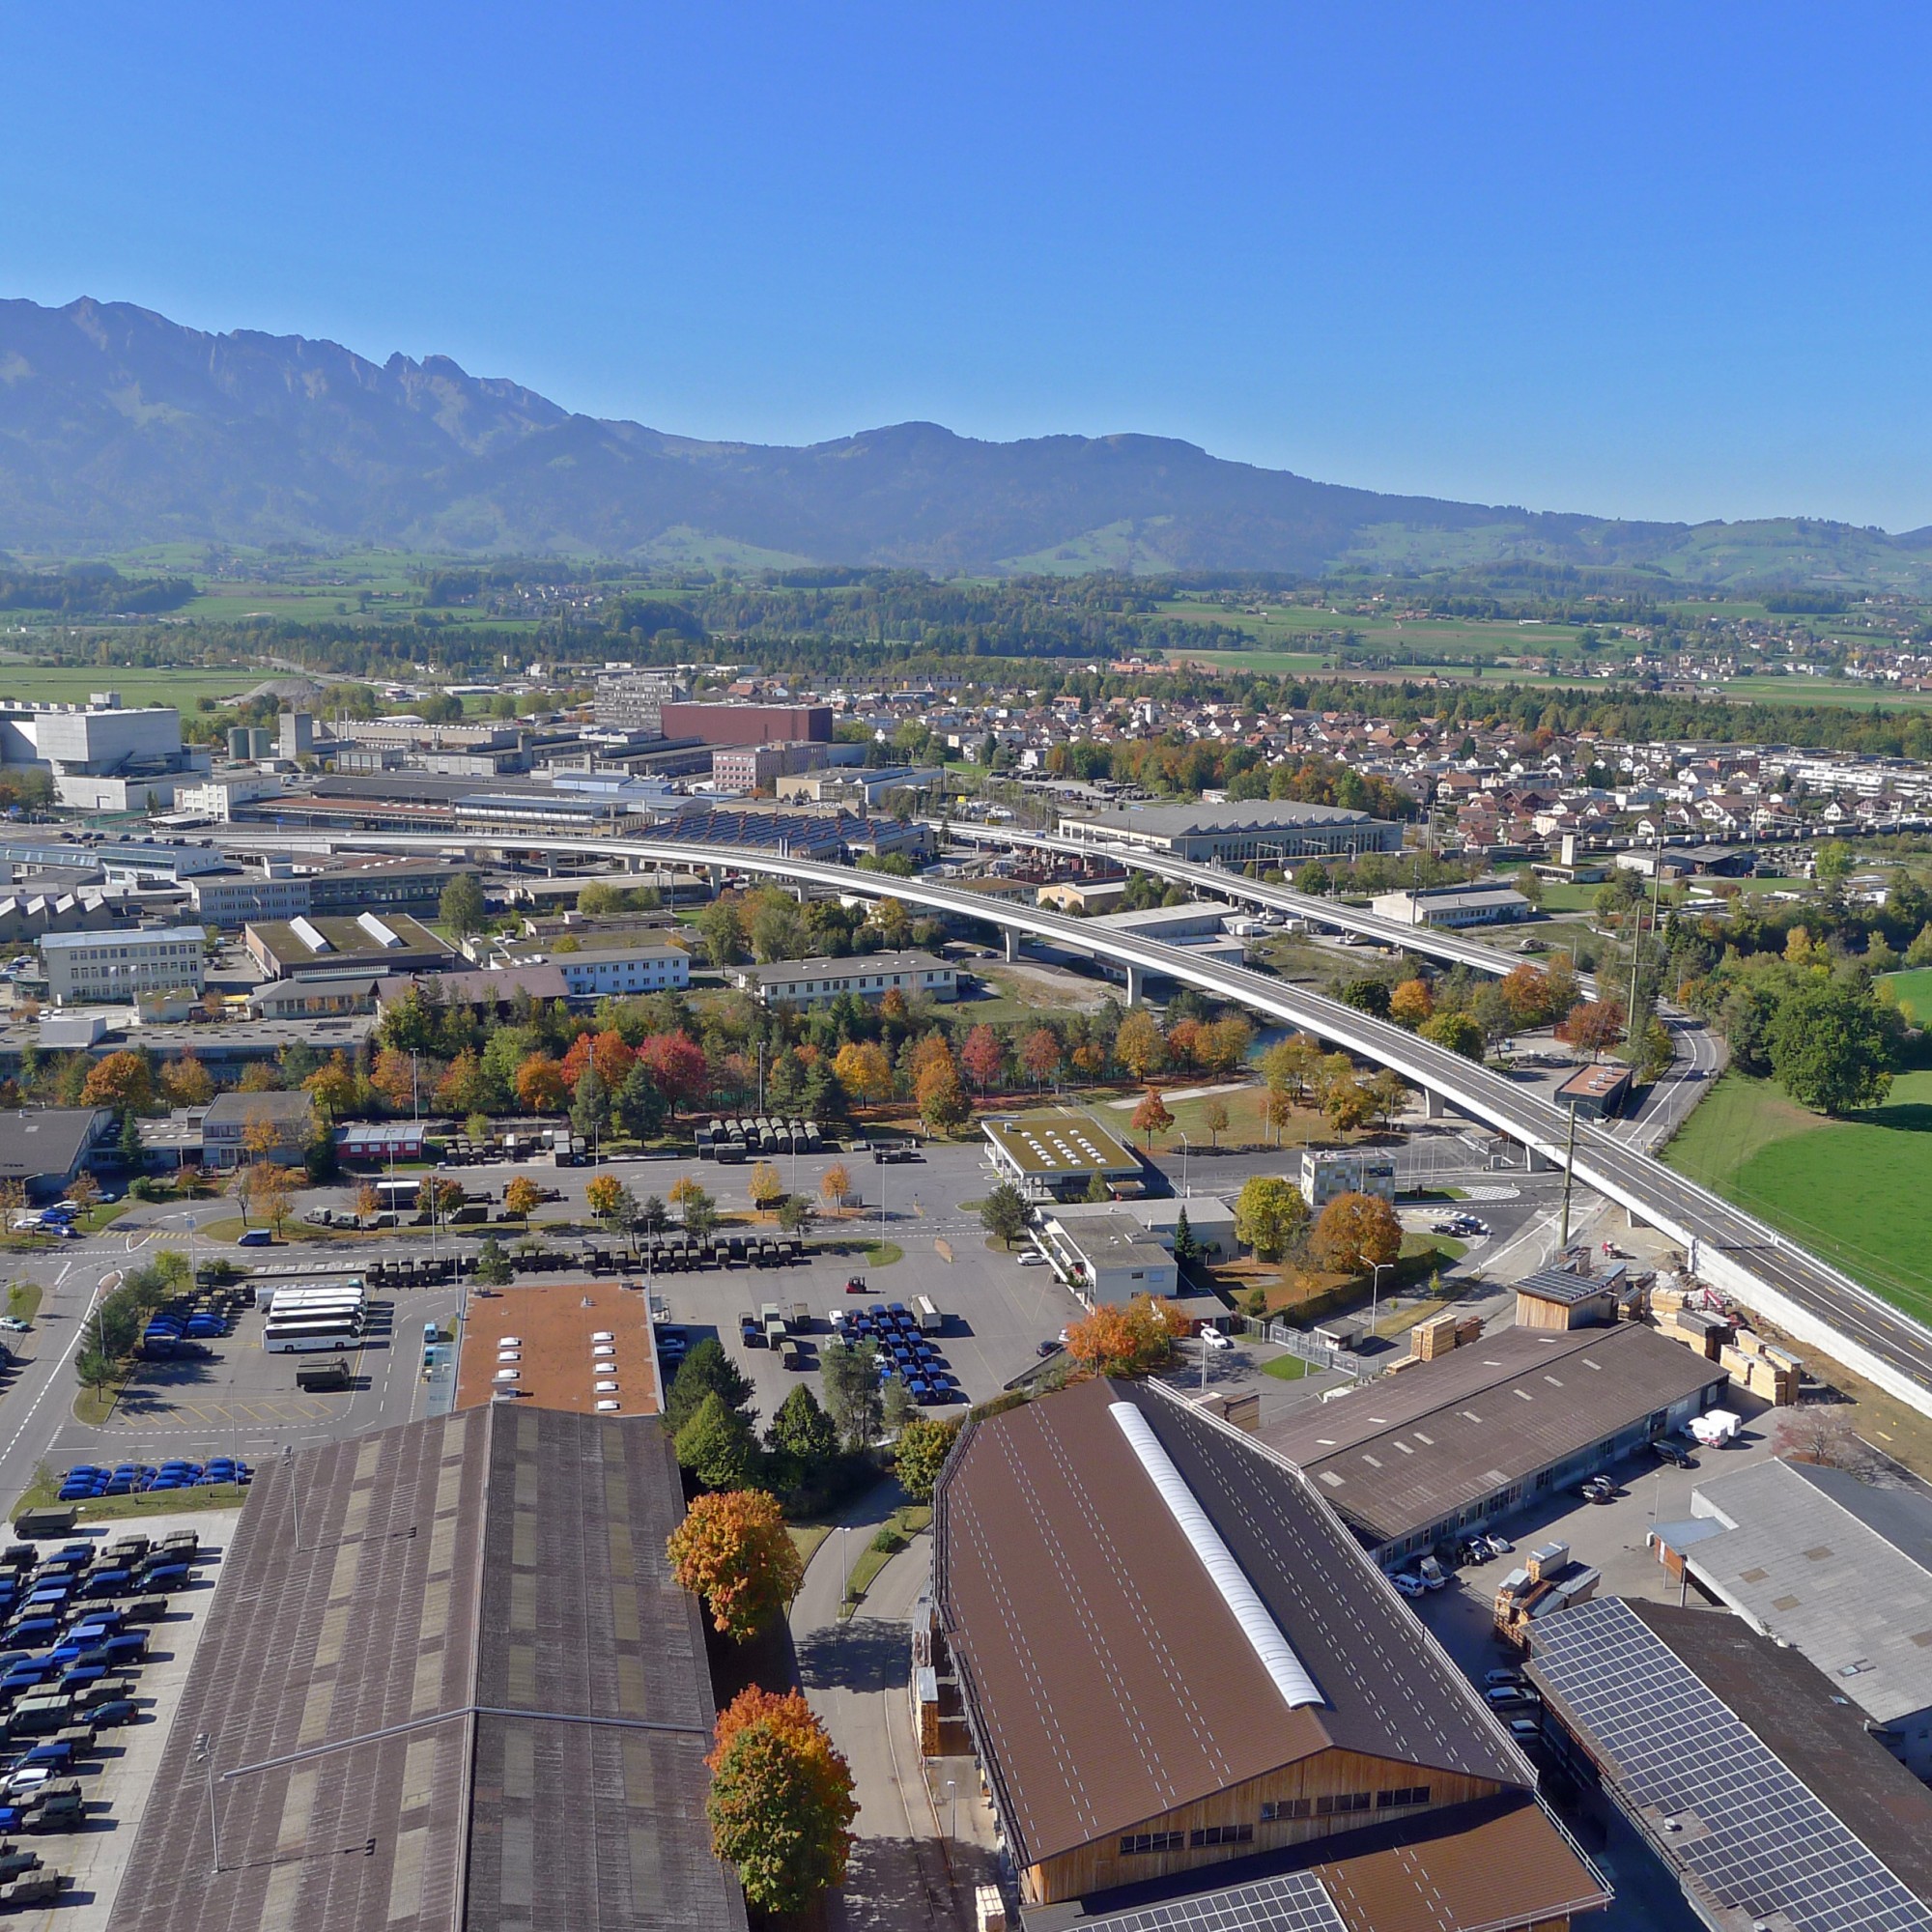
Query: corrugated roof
column 1470, row 1868
column 1832, row 1566
column 1401, row 1453
column 1111, row 1679
column 467, row 1695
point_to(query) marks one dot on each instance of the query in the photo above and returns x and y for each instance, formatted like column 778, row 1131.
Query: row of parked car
column 76, row 1632
column 904, row 1350
column 87, row 1480
column 1432, row 1572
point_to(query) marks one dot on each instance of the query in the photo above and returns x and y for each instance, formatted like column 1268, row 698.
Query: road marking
column 79, row 1329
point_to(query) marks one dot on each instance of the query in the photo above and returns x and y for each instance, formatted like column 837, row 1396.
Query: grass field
column 62, row 684
column 1915, row 993
column 1854, row 1191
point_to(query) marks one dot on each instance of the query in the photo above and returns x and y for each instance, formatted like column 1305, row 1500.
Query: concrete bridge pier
column 1434, row 1106
column 1011, row 936
column 1136, row 985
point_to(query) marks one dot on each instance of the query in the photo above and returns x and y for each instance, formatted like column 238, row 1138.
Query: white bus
column 324, row 1332
column 317, row 1297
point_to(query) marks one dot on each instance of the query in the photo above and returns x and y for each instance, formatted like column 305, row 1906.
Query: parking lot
column 239, row 1400
column 116, row 1767
column 997, row 1312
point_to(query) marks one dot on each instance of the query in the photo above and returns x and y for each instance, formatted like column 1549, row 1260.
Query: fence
column 1314, row 1350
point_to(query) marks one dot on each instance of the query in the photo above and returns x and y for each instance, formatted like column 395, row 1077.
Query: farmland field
column 71, row 684
column 1915, row 993
column 1854, row 1191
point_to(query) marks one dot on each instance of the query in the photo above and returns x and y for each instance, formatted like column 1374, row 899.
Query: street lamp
column 1375, row 1268
column 845, row 1563
column 952, row 1800
column 1185, row 1150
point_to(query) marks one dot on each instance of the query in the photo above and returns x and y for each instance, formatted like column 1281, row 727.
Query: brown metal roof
column 467, row 1695
column 553, row 1323
column 1108, row 1676
column 1401, row 1453
column 1469, row 1868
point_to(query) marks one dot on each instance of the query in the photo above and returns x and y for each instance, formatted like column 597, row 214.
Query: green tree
column 492, row 1265
column 852, row 1393
column 718, row 1447
column 589, row 1104
column 1004, row 1212
column 707, row 1369
column 461, row 907
column 1186, row 1244
column 1829, row 1049
column 802, row 1431
column 780, row 1801
column 1457, row 1031
column 1269, row 1213
column 921, row 1453
column 1833, row 864
column 722, row 933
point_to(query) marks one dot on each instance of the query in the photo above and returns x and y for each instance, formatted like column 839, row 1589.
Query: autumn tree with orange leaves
column 780, row 1804
column 1126, row 1341
column 732, row 1550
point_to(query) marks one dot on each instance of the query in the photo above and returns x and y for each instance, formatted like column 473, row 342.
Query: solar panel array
column 1754, row 1835
column 1294, row 1902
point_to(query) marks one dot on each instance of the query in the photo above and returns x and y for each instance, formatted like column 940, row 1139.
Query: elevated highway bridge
column 1431, row 942
column 1812, row 1301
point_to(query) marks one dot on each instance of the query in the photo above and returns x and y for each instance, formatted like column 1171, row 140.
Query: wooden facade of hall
column 1102, row 1864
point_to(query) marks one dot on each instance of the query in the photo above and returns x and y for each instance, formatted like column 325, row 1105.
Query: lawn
column 1915, row 993
column 1285, row 1368
column 62, row 685
column 1854, row 1190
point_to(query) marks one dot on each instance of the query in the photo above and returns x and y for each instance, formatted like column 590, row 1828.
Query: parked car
column 1409, row 1584
column 1526, row 1730
column 1433, row 1575
column 14, row 1325
column 1048, row 1349
column 1504, row 1696
column 1678, row 1458
column 1212, row 1338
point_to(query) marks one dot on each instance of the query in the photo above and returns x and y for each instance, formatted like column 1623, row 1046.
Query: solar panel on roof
column 1294, row 1902
column 1769, row 1843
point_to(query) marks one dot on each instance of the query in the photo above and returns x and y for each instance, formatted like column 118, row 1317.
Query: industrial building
column 398, row 944
column 96, row 966
column 233, row 900
column 865, row 975
column 1453, row 906
column 240, row 1128
column 1179, row 1676
column 447, row 1681
column 749, row 768
column 1747, row 1775
column 1265, row 830
column 1447, row 1445
column 624, row 969
column 748, row 723
column 635, row 700
column 42, row 1149
column 1835, row 1569
column 1058, row 1154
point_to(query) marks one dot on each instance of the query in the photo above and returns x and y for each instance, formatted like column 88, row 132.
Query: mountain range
column 120, row 429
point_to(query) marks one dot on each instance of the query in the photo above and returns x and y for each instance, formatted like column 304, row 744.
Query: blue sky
column 1629, row 259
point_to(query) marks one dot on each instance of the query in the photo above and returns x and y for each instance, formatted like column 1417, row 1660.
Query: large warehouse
column 447, row 1682
column 1418, row 1458
column 1180, row 1675
column 1267, row 830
